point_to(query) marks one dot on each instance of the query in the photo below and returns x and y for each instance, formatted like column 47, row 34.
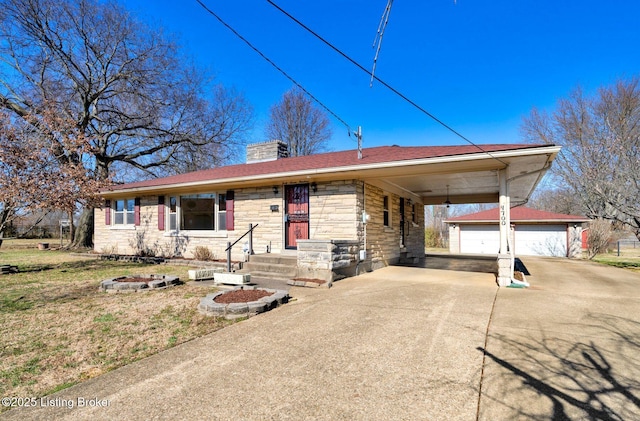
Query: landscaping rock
column 138, row 283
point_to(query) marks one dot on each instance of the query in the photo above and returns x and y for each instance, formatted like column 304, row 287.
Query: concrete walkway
column 399, row 343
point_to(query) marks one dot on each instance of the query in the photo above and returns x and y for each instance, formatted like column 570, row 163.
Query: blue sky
column 478, row 65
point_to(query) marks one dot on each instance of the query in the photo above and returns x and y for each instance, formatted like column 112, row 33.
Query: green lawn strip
column 621, row 262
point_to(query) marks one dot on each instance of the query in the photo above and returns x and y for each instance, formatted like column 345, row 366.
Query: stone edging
column 209, row 307
column 158, row 281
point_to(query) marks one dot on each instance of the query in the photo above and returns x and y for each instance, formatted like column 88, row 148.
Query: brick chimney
column 266, row 151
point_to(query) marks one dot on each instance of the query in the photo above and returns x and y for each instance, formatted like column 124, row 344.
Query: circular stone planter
column 210, row 307
column 135, row 283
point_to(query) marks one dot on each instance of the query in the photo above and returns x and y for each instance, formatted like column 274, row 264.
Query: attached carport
column 503, row 174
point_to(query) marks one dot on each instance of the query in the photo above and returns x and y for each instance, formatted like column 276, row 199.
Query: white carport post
column 504, row 255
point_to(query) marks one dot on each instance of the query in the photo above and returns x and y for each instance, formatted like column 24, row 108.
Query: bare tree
column 600, row 136
column 123, row 84
column 297, row 122
column 31, row 175
column 558, row 199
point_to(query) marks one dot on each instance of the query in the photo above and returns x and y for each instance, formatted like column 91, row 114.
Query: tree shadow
column 597, row 378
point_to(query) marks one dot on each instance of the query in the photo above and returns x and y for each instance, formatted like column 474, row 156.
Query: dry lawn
column 58, row 329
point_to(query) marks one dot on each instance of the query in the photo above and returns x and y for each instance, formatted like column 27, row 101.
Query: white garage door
column 479, row 239
column 541, row 240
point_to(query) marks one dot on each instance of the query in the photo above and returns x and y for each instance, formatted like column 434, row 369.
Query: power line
column 271, row 62
column 385, row 84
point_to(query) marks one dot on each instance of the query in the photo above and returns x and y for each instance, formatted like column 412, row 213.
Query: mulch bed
column 241, row 296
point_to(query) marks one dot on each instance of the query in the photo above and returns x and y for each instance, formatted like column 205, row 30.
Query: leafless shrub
column 599, row 235
column 203, row 253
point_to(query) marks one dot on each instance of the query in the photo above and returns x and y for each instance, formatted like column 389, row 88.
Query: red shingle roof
column 377, row 155
column 519, row 214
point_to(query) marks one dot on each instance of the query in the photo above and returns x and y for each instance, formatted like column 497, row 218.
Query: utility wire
column 385, row 84
column 268, row 60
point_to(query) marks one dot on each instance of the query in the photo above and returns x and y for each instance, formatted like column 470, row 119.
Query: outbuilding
column 533, row 233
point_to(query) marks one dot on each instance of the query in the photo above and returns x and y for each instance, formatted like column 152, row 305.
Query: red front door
column 296, row 214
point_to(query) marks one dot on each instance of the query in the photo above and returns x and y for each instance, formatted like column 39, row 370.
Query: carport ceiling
column 473, row 181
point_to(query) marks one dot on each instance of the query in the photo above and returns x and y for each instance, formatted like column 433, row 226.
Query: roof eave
column 338, row 172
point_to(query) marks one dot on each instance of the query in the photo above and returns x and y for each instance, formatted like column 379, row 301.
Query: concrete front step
column 268, row 275
column 275, row 259
column 288, row 270
column 273, row 266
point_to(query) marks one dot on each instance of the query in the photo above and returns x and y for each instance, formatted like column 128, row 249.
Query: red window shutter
column 136, row 211
column 161, row 213
column 107, row 212
column 230, row 206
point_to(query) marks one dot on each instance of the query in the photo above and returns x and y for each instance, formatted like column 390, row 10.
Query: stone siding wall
column 333, row 211
column 383, row 242
column 328, row 260
column 414, row 232
column 335, row 214
column 252, row 206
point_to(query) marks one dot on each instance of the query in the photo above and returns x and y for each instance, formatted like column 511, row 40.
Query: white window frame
column 216, row 232
column 386, row 210
column 173, row 213
column 125, row 214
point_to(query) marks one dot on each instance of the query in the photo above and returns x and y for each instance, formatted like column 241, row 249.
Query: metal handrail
column 230, row 246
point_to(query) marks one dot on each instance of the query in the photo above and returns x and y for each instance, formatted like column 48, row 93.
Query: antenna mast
column 359, row 137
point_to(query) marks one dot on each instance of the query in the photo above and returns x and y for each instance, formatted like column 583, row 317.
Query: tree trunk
column 4, row 216
column 83, row 237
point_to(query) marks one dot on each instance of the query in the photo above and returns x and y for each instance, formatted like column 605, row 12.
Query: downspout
column 362, row 254
column 543, row 169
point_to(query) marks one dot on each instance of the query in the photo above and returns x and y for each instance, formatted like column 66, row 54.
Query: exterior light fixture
column 314, row 187
column 275, row 190
column 447, row 202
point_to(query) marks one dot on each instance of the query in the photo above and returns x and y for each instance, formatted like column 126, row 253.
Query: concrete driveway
column 399, row 343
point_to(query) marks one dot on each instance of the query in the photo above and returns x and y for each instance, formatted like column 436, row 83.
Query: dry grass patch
column 58, row 329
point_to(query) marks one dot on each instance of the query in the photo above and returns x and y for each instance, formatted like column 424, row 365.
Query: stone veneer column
column 328, row 260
